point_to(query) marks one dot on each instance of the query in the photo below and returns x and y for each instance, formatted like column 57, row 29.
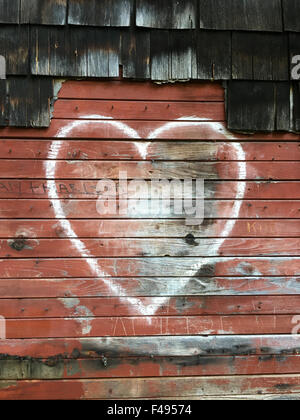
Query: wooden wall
column 143, row 306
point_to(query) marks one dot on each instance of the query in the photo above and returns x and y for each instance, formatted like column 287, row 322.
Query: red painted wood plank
column 64, row 248
column 162, row 286
column 148, row 367
column 142, row 91
column 152, row 267
column 141, row 326
column 17, row 188
column 158, row 130
column 139, row 110
column 252, row 228
column 83, row 209
column 151, row 387
column 174, row 346
column 146, row 170
column 157, row 150
column 179, row 306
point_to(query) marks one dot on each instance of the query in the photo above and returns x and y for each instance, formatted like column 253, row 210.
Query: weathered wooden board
column 144, row 209
column 146, row 367
column 125, row 347
column 188, row 246
column 141, row 326
column 75, row 169
column 156, row 150
column 150, row 286
column 152, row 267
column 175, row 306
column 139, row 110
column 151, row 387
column 143, row 130
column 105, row 228
column 142, row 91
column 64, row 188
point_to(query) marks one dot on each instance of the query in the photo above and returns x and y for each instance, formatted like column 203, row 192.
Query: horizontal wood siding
column 142, row 305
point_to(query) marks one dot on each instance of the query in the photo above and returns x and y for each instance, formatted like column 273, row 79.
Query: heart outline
column 50, row 169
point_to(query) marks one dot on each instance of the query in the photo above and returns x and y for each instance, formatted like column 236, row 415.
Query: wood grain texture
column 142, row 228
column 156, row 151
column 143, row 209
column 45, row 12
column 244, row 15
column 179, row 131
column 176, row 306
column 152, row 387
column 176, row 346
column 152, row 267
column 168, row 14
column 264, row 171
column 188, row 246
column 143, row 306
column 150, row 286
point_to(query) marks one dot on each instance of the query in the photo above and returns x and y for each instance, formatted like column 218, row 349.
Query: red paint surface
column 247, row 286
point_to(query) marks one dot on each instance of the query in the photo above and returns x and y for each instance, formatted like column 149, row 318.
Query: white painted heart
column 116, row 290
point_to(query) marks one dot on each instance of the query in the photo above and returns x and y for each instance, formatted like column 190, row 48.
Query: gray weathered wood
column 243, row 15
column 213, row 55
column 177, row 346
column 136, row 54
column 9, row 11
column 259, row 106
column 79, row 52
column 291, row 13
column 166, row 14
column 172, row 55
column 30, row 102
column 14, row 46
column 46, row 12
column 260, row 56
column 100, row 13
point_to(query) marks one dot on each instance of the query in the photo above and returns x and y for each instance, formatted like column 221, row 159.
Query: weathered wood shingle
column 136, row 54
column 260, row 56
column 296, row 106
column 14, row 46
column 77, row 52
column 3, row 103
column 100, row 12
column 166, row 14
column 243, row 15
column 259, row 106
column 30, row 101
column 172, row 55
column 45, row 12
column 213, row 55
column 291, row 15
column 9, row 11
column 162, row 40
